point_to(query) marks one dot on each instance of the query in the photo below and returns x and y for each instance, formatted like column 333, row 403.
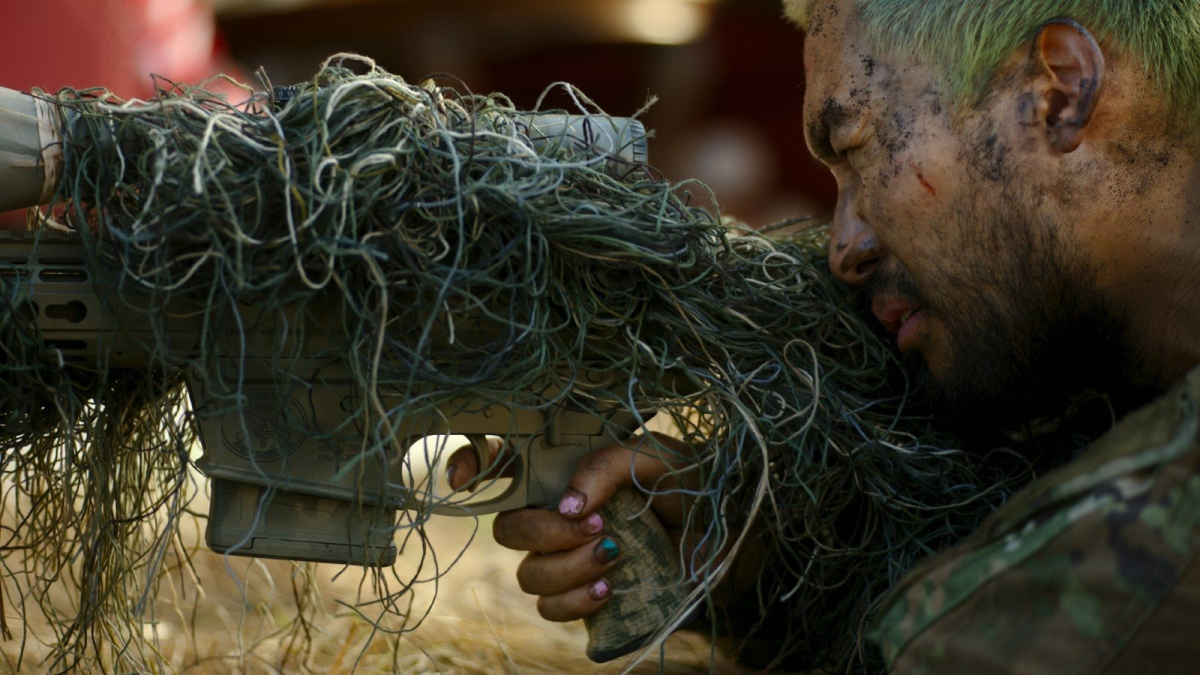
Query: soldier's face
column 942, row 229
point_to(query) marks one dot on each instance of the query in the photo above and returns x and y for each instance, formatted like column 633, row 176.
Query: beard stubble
column 1028, row 331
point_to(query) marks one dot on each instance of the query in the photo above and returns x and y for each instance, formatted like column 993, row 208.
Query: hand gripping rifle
column 296, row 485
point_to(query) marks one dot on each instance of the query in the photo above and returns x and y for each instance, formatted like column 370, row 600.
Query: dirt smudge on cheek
column 986, row 156
column 820, row 15
column 868, row 63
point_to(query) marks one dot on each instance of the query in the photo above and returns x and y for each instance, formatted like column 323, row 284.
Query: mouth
column 901, row 317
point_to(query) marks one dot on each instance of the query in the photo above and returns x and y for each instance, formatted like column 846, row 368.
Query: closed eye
column 859, row 151
column 848, row 145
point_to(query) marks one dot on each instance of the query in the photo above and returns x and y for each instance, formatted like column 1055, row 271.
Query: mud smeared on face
column 823, row 14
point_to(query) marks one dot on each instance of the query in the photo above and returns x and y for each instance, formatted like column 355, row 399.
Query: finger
column 542, row 531
column 463, row 466
column 554, row 573
column 577, row 603
column 649, row 459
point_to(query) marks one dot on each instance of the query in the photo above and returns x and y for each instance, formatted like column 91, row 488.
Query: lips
column 893, row 313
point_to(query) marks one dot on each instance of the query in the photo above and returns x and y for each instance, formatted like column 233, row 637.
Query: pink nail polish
column 593, row 524
column 598, row 590
column 571, row 504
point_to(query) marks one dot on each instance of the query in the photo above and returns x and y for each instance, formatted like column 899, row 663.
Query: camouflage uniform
column 1091, row 569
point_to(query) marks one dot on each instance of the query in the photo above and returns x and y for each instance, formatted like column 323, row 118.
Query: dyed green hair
column 969, row 41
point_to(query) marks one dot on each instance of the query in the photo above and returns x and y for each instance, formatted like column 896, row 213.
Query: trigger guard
column 480, row 445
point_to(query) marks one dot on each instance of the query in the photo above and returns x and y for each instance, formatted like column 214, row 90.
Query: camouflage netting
column 417, row 213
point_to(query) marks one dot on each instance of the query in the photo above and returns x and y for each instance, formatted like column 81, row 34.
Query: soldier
column 1018, row 201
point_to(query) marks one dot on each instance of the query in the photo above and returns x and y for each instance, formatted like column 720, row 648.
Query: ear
column 1070, row 69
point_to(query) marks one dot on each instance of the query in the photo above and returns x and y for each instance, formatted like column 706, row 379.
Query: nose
column 854, row 249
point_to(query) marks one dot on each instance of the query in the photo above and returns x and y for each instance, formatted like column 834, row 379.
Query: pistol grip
column 645, row 582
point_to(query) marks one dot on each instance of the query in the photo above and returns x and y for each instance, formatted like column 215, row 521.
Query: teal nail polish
column 607, row 550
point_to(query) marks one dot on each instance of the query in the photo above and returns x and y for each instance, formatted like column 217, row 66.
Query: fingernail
column 606, row 551
column 598, row 590
column 571, row 504
column 593, row 524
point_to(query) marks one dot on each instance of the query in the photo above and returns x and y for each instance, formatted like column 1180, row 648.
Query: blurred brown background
column 728, row 73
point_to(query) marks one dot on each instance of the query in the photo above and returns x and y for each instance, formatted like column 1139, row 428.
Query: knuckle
column 600, row 462
column 509, row 529
column 500, row 528
column 526, row 576
column 579, row 530
column 547, row 610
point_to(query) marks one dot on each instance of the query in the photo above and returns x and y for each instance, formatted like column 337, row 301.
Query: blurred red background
column 728, row 73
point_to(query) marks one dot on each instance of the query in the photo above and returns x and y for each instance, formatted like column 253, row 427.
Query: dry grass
column 203, row 622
